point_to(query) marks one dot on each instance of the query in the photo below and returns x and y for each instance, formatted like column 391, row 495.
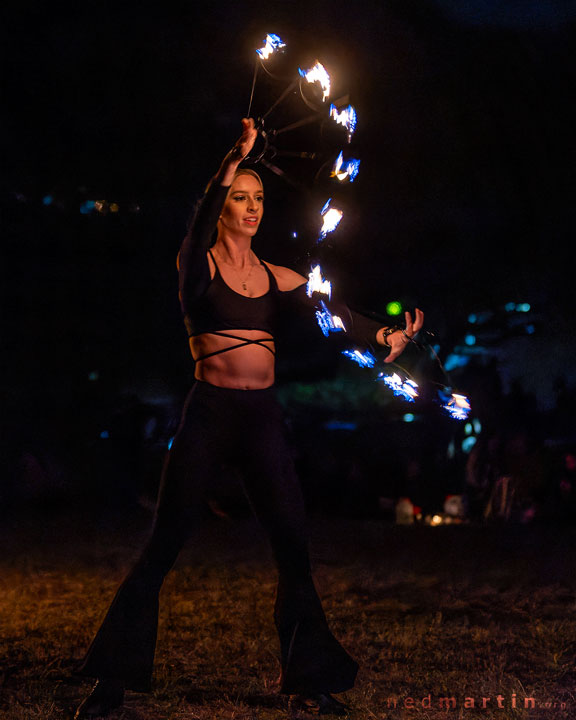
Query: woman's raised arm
column 193, row 269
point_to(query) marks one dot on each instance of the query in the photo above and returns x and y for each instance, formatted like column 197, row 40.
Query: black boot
column 321, row 704
column 106, row 695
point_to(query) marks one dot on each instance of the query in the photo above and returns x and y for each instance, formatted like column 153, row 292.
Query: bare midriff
column 248, row 367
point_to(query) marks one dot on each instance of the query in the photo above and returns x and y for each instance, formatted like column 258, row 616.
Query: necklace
column 243, row 281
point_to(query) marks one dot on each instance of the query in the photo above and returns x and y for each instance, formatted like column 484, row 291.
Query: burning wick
column 316, row 283
column 345, row 170
column 407, row 389
column 273, row 44
column 332, row 217
column 458, row 406
column 318, row 74
column 328, row 323
column 364, row 359
column 346, row 117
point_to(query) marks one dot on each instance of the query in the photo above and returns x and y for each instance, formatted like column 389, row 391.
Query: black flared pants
column 244, row 427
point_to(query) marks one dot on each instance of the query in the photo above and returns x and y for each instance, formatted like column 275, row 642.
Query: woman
column 230, row 301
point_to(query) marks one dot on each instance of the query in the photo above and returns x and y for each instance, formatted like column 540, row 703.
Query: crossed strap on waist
column 245, row 341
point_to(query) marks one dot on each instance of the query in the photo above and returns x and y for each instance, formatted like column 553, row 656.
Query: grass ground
column 432, row 614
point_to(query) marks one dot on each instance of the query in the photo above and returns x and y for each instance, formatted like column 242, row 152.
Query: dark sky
column 466, row 135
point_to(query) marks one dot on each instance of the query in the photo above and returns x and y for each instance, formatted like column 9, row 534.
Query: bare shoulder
column 287, row 279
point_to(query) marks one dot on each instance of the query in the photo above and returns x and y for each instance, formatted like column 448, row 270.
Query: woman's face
column 244, row 206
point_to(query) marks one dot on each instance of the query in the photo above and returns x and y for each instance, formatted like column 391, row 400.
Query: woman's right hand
column 241, row 149
column 246, row 141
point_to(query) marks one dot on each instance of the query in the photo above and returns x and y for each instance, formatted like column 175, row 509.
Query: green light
column 394, row 308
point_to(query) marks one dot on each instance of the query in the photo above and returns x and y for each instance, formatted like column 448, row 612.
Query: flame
column 407, row 388
column 346, row 117
column 318, row 74
column 344, row 171
column 328, row 322
column 332, row 217
column 273, row 44
column 316, row 283
column 364, row 359
column 458, row 406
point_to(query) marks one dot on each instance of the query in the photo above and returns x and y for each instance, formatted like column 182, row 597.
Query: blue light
column 454, row 361
column 477, row 426
column 365, row 359
column 472, row 318
column 468, row 428
column 93, row 375
column 468, row 443
column 87, row 207
column 409, row 417
column 523, row 307
column 470, row 340
column 510, row 307
column 47, row 200
column 340, row 425
column 294, row 234
column 104, row 434
column 530, row 329
column 170, row 443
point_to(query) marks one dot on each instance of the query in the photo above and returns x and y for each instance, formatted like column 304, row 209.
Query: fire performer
column 230, row 300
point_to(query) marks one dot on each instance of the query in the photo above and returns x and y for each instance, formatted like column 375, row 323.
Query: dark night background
column 464, row 203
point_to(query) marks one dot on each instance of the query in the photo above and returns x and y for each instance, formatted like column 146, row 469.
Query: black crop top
column 211, row 306
column 222, row 308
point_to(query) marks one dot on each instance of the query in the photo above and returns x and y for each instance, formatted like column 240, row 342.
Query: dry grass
column 461, row 612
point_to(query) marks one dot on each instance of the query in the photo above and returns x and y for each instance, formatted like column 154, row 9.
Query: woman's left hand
column 400, row 339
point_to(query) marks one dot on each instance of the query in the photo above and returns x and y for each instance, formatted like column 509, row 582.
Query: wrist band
column 388, row 331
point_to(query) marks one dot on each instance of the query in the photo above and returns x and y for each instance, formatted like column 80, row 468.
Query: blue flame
column 346, row 117
column 364, row 359
column 404, row 388
column 352, row 168
column 456, row 405
column 345, row 169
column 332, row 217
column 328, row 323
column 318, row 283
column 272, row 44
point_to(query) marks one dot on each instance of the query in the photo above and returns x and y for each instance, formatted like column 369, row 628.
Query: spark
column 345, row 170
column 364, row 359
column 406, row 388
column 458, row 406
column 346, row 117
column 318, row 74
column 317, row 283
column 328, row 323
column 273, row 44
column 332, row 217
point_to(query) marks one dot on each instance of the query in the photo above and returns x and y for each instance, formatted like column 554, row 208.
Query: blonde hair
column 248, row 171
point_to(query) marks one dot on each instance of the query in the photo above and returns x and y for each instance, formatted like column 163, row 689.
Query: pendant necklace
column 242, row 281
